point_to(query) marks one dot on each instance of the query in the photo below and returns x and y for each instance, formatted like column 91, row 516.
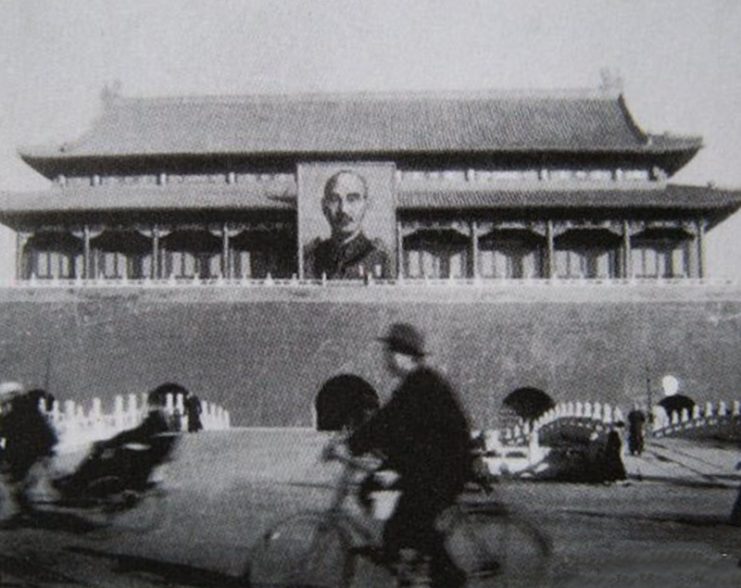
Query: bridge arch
column 527, row 403
column 676, row 403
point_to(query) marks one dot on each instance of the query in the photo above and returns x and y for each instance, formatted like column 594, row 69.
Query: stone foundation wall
column 263, row 353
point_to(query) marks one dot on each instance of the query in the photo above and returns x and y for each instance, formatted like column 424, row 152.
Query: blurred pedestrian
column 8, row 391
column 131, row 455
column 193, row 411
column 29, row 441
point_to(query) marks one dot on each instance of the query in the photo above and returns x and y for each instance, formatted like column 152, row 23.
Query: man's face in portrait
column 344, row 204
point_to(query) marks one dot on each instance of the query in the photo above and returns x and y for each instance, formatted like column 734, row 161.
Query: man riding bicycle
column 424, row 435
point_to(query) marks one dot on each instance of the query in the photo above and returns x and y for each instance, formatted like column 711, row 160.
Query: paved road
column 225, row 488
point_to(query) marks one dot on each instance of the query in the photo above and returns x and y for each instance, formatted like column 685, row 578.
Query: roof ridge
column 367, row 95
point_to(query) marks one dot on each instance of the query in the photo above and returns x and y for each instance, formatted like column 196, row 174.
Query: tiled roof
column 185, row 197
column 365, row 123
column 671, row 196
column 283, row 196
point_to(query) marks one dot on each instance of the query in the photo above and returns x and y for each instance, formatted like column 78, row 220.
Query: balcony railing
column 270, row 282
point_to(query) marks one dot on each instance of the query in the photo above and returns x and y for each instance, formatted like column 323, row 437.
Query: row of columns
column 697, row 255
column 697, row 268
column 156, row 234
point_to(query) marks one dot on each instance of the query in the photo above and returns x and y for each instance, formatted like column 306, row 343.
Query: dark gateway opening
column 677, row 403
column 528, row 403
column 344, row 402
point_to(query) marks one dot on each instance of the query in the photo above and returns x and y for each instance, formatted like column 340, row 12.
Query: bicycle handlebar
column 330, row 453
column 355, row 463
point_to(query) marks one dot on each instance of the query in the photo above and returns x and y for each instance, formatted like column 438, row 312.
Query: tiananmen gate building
column 477, row 190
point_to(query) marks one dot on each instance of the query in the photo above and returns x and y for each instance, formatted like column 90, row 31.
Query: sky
column 680, row 62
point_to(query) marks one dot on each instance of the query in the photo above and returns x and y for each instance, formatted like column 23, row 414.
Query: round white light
column 670, row 385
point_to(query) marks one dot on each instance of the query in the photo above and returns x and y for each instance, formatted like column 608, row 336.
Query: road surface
column 666, row 526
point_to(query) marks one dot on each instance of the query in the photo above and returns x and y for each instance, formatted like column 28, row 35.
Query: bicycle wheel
column 137, row 512
column 501, row 547
column 93, row 500
column 301, row 552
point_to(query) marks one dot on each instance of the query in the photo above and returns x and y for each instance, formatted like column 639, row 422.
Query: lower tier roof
column 273, row 197
column 671, row 196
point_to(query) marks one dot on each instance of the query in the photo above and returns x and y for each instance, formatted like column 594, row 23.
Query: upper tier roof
column 365, row 124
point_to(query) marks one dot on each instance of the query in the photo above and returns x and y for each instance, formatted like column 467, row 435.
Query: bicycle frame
column 365, row 531
column 365, row 527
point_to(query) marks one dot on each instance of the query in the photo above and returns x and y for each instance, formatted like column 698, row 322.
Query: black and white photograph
column 370, row 294
column 350, row 215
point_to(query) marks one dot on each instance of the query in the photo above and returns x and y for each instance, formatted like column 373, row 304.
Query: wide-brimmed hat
column 404, row 338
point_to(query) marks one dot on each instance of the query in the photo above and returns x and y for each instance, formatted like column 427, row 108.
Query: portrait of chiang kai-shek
column 348, row 253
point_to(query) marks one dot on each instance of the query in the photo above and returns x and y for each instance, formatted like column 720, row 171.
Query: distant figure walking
column 193, row 411
column 636, row 426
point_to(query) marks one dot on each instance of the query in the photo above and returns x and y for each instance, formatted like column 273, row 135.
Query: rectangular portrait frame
column 379, row 222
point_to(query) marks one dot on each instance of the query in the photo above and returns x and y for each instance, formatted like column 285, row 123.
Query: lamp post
column 649, row 397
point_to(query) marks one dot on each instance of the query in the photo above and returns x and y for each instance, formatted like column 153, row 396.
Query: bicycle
column 317, row 548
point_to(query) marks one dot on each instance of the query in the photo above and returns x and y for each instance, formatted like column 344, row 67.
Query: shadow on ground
column 166, row 572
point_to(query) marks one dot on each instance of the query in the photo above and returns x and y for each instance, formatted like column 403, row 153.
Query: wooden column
column 225, row 251
column 700, row 248
column 693, row 270
column 627, row 252
column 155, row 252
column 475, row 248
column 551, row 267
column 20, row 243
column 300, row 249
column 399, row 251
column 86, row 273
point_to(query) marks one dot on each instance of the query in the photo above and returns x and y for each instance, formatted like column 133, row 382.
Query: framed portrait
column 346, row 220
